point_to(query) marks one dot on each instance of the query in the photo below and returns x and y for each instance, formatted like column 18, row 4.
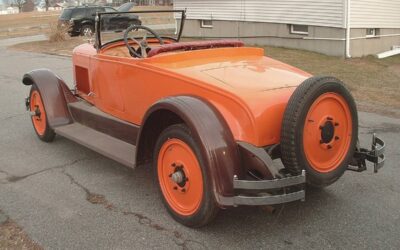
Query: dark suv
column 82, row 18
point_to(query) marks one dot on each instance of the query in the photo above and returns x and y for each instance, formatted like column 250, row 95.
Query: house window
column 206, row 24
column 299, row 29
column 372, row 32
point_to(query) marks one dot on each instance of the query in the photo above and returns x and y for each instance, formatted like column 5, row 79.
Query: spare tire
column 319, row 130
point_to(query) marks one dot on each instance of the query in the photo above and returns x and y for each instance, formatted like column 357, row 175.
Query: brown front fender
column 55, row 94
column 209, row 129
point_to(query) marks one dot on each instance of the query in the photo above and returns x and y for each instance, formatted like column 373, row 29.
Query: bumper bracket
column 375, row 155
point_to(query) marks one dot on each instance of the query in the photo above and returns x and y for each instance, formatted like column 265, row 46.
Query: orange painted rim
column 176, row 158
column 39, row 119
column 327, row 132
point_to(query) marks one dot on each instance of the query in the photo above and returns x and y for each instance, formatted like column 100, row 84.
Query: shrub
column 58, row 32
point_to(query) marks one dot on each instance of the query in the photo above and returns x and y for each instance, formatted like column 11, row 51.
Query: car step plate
column 106, row 145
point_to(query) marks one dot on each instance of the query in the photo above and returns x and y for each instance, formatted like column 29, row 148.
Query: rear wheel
column 319, row 130
column 39, row 116
column 182, row 179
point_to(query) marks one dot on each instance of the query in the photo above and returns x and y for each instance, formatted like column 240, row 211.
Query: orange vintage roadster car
column 210, row 117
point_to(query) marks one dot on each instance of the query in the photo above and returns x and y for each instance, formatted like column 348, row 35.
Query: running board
column 92, row 117
column 106, row 145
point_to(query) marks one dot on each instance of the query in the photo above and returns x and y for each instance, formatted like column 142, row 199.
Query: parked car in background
column 82, row 18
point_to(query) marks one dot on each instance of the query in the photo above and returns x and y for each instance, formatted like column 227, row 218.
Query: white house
column 334, row 27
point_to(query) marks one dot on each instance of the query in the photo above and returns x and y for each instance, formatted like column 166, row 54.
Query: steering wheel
column 143, row 44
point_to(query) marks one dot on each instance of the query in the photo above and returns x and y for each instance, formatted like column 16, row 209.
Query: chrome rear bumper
column 285, row 188
column 267, row 192
column 293, row 189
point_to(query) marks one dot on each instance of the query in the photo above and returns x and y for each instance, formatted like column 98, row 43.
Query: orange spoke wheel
column 182, row 179
column 319, row 130
column 38, row 116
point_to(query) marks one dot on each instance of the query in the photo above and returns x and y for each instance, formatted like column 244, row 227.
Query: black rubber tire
column 86, row 26
column 49, row 133
column 293, row 156
column 208, row 208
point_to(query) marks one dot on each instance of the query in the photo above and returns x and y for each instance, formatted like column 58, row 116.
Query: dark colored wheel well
column 55, row 94
column 154, row 125
column 87, row 22
column 26, row 80
column 209, row 130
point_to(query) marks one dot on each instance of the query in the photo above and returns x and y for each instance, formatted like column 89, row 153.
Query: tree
column 18, row 3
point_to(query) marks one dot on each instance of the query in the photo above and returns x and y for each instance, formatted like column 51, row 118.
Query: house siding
column 330, row 13
column 375, row 14
column 266, row 22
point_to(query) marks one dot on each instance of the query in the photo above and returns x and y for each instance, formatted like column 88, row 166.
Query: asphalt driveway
column 66, row 196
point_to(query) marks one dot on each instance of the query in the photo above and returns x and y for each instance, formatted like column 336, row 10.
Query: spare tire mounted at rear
column 319, row 130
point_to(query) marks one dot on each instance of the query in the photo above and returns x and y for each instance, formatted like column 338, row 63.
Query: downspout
column 348, row 55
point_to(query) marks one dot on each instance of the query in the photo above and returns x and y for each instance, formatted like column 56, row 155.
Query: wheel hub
column 327, row 132
column 179, row 177
column 37, row 112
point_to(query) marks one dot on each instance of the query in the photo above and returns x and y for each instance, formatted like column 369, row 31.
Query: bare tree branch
column 18, row 3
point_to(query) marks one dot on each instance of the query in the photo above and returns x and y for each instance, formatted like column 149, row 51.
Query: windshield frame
column 98, row 45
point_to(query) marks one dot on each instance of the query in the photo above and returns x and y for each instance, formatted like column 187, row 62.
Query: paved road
column 66, row 196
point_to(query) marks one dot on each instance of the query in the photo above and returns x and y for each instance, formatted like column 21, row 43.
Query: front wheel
column 39, row 116
column 182, row 178
column 319, row 130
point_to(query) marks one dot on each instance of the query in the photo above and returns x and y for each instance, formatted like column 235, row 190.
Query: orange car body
column 249, row 89
column 211, row 116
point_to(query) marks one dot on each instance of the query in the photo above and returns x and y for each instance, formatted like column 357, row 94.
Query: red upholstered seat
column 194, row 46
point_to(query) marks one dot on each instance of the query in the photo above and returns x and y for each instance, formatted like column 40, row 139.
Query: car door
column 107, row 74
column 78, row 15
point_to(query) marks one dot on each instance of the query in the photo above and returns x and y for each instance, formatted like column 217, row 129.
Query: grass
column 25, row 24
column 53, row 48
column 375, row 83
column 13, row 237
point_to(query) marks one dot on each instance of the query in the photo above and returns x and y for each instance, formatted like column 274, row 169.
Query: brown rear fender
column 55, row 94
column 211, row 132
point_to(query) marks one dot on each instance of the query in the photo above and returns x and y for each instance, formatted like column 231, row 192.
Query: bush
column 58, row 33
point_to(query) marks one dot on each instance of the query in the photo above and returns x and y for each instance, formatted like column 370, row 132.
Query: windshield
column 66, row 14
column 111, row 26
column 126, row 7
